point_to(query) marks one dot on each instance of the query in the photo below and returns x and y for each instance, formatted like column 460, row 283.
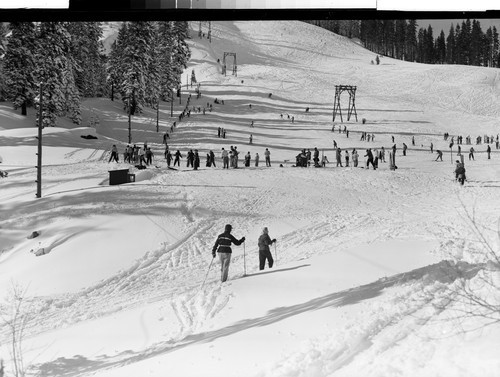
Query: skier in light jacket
column 264, row 253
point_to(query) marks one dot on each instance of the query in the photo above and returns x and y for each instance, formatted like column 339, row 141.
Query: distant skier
column 338, row 157
column 439, row 155
column 346, row 158
column 223, row 247
column 256, row 159
column 264, row 253
column 267, row 155
column 114, row 154
column 225, row 159
column 212, row 159
column 248, row 157
column 471, row 153
column 355, row 157
column 405, row 147
column 178, row 156
column 488, row 150
column 432, row 148
column 196, row 160
column 369, row 160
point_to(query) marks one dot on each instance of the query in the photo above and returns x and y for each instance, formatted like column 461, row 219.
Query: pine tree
column 55, row 69
column 411, row 41
column 495, row 48
column 441, row 48
column 3, row 49
column 430, row 53
column 477, row 45
column 87, row 53
column 450, row 46
column 19, row 65
column 400, row 39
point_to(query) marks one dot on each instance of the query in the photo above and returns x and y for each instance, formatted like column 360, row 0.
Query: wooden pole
column 39, row 154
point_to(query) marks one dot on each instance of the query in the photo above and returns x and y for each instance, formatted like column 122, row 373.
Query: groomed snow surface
column 366, row 260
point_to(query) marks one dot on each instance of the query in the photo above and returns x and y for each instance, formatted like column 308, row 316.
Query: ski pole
column 244, row 260
column 276, row 253
column 210, row 266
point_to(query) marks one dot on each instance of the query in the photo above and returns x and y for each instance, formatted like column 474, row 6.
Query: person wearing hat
column 264, row 252
column 223, row 247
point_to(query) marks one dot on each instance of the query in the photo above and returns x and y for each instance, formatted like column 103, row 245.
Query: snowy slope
column 364, row 258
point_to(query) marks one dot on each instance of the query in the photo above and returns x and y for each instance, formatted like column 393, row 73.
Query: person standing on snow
column 114, row 154
column 223, row 247
column 225, row 159
column 178, row 156
column 471, row 153
column 264, row 253
column 256, row 159
column 267, row 154
column 355, row 157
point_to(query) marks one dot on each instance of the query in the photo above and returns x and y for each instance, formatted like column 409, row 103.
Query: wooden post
column 39, row 154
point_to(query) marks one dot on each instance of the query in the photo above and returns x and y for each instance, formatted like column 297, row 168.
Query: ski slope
column 365, row 259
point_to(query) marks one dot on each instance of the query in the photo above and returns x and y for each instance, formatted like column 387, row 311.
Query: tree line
column 68, row 61
column 465, row 43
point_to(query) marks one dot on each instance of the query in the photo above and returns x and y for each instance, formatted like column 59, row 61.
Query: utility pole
column 129, row 123
column 39, row 154
column 171, row 102
column 158, row 116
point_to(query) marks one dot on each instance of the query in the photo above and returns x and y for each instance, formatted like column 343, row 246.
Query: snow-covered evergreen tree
column 88, row 57
column 19, row 65
column 3, row 32
column 55, row 68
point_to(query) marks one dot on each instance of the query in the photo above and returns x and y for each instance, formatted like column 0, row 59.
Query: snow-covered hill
column 366, row 260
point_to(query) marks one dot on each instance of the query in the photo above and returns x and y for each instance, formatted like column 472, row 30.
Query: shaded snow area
column 374, row 269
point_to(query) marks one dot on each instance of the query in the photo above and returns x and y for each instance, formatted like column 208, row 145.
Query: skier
column 250, row 139
column 247, row 159
column 267, row 154
column 225, row 159
column 178, row 156
column 460, row 173
column 471, row 153
column 439, row 156
column 338, row 157
column 369, row 161
column 212, row 159
column 432, row 148
column 196, row 160
column 264, row 253
column 149, row 156
column 223, row 247
column 190, row 158
column 114, row 154
column 169, row 158
column 355, row 158
column 256, row 159
column 488, row 150
column 324, row 161
column 346, row 158
column 405, row 147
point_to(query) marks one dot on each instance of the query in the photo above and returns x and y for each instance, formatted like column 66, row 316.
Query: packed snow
column 368, row 262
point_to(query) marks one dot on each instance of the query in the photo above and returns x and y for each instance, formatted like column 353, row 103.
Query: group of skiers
column 133, row 154
column 223, row 248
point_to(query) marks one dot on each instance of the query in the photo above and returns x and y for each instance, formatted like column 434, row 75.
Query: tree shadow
column 443, row 272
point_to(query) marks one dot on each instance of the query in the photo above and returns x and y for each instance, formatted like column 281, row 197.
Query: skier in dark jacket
column 178, row 156
column 264, row 253
column 369, row 161
column 223, row 247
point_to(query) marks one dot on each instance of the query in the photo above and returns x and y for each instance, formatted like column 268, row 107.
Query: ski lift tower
column 339, row 89
column 224, row 67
